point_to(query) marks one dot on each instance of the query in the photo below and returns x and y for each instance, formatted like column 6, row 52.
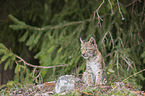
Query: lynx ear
column 92, row 40
column 81, row 40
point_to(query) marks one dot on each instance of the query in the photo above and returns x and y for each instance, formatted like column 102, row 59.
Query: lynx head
column 89, row 48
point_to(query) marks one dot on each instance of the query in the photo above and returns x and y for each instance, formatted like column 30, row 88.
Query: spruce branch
column 21, row 25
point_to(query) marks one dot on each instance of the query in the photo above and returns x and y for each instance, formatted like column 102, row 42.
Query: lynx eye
column 82, row 49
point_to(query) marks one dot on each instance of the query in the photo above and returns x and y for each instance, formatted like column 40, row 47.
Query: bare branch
column 120, row 10
column 131, row 3
column 104, row 37
column 97, row 11
column 134, row 74
column 117, row 65
column 111, row 7
column 21, row 60
column 99, row 18
column 112, row 39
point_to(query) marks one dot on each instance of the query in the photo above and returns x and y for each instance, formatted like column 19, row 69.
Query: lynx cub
column 94, row 62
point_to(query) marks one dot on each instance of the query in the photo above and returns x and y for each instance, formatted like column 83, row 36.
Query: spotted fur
column 94, row 62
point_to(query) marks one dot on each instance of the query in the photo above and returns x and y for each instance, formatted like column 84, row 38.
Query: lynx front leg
column 98, row 80
column 88, row 78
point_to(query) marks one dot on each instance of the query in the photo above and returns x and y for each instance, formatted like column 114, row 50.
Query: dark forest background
column 46, row 33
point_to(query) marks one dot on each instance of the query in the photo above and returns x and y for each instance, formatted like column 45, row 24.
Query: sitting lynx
column 94, row 62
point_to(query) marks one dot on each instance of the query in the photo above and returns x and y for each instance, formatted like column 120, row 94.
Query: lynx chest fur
column 94, row 62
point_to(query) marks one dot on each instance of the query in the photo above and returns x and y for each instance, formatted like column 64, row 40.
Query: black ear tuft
column 81, row 40
column 92, row 40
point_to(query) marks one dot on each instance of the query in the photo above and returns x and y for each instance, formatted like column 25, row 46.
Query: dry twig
column 21, row 60
column 131, row 3
column 99, row 18
column 111, row 7
column 120, row 10
column 134, row 74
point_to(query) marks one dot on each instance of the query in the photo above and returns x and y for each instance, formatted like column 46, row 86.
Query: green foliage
column 22, row 73
column 59, row 44
column 121, row 42
column 143, row 56
column 102, row 92
column 7, row 56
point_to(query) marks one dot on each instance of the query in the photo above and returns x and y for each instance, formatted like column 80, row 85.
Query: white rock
column 66, row 83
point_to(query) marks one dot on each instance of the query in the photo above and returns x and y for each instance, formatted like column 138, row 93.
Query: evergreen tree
column 117, row 26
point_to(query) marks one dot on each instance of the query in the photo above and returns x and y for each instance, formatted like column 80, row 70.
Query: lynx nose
column 84, row 55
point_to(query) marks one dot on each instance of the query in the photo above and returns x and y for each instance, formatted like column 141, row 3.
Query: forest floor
column 48, row 89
